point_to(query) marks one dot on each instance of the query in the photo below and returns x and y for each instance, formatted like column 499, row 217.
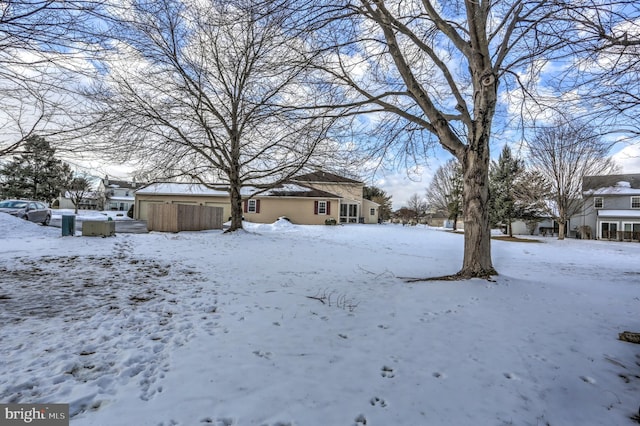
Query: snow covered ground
column 313, row 325
column 91, row 214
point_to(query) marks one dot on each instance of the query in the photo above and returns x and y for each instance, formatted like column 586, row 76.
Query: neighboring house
column 90, row 201
column 309, row 199
column 179, row 193
column 353, row 207
column 611, row 206
column 117, row 194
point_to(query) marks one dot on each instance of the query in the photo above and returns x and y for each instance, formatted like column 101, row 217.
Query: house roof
column 626, row 184
column 320, row 176
column 197, row 189
column 297, row 190
column 121, row 184
column 181, row 188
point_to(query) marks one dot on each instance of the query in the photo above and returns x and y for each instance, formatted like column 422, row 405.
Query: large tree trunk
column 561, row 229
column 562, row 222
column 235, row 182
column 235, row 185
column 477, row 230
column 236, row 208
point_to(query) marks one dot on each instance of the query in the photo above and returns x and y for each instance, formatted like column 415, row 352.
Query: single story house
column 310, row 199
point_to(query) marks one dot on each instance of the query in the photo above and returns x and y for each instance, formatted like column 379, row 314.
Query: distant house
column 611, row 206
column 91, row 200
column 117, row 194
column 309, row 199
column 353, row 207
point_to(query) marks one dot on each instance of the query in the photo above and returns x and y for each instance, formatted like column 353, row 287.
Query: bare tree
column 603, row 41
column 429, row 72
column 418, row 205
column 43, row 47
column 564, row 154
column 78, row 191
column 214, row 93
column 445, row 190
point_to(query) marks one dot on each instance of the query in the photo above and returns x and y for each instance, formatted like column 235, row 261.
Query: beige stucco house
column 309, row 199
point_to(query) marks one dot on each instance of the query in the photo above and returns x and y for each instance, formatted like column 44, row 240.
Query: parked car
column 34, row 211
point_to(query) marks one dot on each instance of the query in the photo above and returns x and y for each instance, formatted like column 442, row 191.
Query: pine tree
column 503, row 176
column 532, row 193
column 36, row 174
column 379, row 196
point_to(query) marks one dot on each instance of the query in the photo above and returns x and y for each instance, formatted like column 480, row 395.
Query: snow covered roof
column 627, row 184
column 619, row 213
column 614, row 190
column 115, row 184
column 176, row 188
column 198, row 189
column 320, row 176
column 297, row 190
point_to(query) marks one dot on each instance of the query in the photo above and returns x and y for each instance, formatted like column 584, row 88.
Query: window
column 635, row 202
column 598, row 202
column 372, row 212
column 322, row 207
column 252, row 206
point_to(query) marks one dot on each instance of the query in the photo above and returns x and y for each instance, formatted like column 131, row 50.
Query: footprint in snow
column 379, row 402
column 387, row 372
column 588, row 379
column 266, row 355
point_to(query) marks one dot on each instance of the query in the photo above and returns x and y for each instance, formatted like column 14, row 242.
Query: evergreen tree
column 532, row 193
column 503, row 176
column 379, row 196
column 36, row 174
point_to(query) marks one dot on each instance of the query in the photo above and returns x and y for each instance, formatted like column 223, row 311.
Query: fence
column 183, row 217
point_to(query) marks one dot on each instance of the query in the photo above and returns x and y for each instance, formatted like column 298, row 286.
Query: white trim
column 638, row 202
column 322, row 207
column 619, row 213
column 595, row 204
column 252, row 206
column 609, row 222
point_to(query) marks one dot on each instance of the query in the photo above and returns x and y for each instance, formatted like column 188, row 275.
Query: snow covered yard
column 303, row 325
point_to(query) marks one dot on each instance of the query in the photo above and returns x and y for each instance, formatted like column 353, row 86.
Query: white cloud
column 402, row 184
column 628, row 158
